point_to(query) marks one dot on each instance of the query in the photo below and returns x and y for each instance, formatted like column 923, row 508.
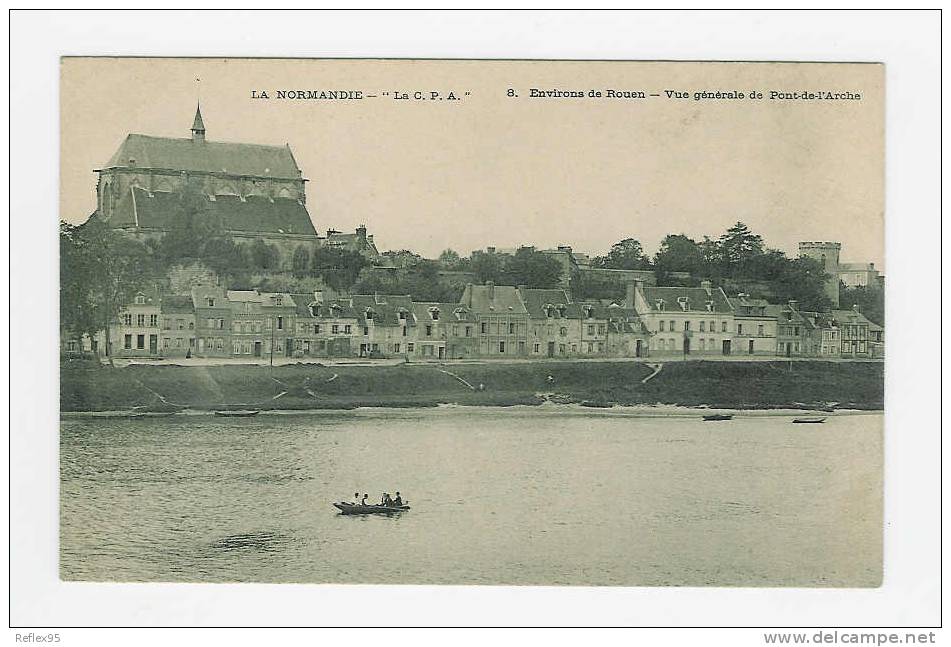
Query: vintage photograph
column 501, row 322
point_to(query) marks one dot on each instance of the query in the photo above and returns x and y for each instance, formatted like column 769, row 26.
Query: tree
column 532, row 269
column 192, row 224
column 339, row 268
column 678, row 253
column 451, row 260
column 738, row 246
column 869, row 299
column 102, row 270
column 300, row 263
column 587, row 285
column 487, row 267
column 626, row 254
column 264, row 255
column 804, row 280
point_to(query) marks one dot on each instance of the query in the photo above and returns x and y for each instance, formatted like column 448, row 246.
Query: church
column 256, row 191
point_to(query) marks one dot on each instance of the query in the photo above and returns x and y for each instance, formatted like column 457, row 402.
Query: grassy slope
column 718, row 384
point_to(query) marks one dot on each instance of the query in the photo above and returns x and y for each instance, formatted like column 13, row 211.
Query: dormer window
column 709, row 306
column 139, row 299
column 211, row 302
column 279, row 300
column 684, row 303
column 589, row 312
column 401, row 314
column 434, row 313
column 660, row 304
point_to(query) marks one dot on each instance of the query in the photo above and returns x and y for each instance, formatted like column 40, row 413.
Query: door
column 153, row 344
column 788, row 349
column 751, row 347
column 257, row 349
column 638, row 348
column 288, row 347
column 442, row 352
column 551, row 349
column 726, row 346
column 687, row 346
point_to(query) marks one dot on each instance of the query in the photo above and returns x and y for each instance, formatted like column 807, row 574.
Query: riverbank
column 727, row 385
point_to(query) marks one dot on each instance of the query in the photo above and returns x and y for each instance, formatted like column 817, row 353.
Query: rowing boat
column 809, row 420
column 238, row 413
column 350, row 508
column 718, row 416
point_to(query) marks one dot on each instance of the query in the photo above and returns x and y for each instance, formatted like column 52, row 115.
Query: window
column 139, row 299
column 723, row 327
column 590, row 347
column 140, row 341
column 686, row 325
column 347, row 329
column 796, row 332
column 563, row 331
column 602, row 329
column 501, row 346
column 671, row 326
column 703, row 326
column 537, row 348
column 661, row 326
column 211, row 302
column 153, row 321
column 334, row 329
column 402, row 315
column 179, row 343
column 739, row 329
column 511, row 328
column 316, row 329
column 485, row 328
column 409, row 347
column 127, row 319
column 429, row 330
column 221, row 324
column 521, row 348
column 759, row 331
column 600, row 347
column 279, row 300
column 236, row 347
column 139, row 320
column 366, row 331
column 280, row 323
column 468, row 331
column 396, row 347
column 590, row 330
column 435, row 314
column 127, row 342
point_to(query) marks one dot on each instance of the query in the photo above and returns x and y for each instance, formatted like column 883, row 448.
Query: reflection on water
column 518, row 495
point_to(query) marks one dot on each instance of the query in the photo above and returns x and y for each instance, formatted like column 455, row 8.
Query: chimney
column 631, row 289
column 491, row 289
column 362, row 232
column 319, row 297
column 706, row 285
column 370, row 238
column 793, row 304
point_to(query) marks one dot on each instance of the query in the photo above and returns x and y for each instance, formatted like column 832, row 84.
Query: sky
column 494, row 169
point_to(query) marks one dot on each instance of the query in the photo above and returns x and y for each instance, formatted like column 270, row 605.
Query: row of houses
column 489, row 321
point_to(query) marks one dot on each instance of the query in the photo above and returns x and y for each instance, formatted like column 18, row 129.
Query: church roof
column 198, row 123
column 253, row 214
column 147, row 152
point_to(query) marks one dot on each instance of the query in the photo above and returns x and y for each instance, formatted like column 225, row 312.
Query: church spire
column 198, row 127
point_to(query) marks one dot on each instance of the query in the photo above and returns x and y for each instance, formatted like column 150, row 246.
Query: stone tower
column 826, row 253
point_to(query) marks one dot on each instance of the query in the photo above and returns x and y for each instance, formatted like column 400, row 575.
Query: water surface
column 520, row 495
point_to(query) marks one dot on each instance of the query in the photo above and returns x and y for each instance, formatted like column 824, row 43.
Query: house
column 178, row 326
column 324, row 327
column 554, row 323
column 136, row 330
column 755, row 326
column 212, row 321
column 684, row 321
column 797, row 333
column 386, row 325
column 502, row 321
column 856, row 334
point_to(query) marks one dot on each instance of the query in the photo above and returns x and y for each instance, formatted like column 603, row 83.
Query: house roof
column 177, row 304
column 253, row 214
column 384, row 307
column 498, row 299
column 697, row 299
column 535, row 300
column 202, row 292
column 147, row 152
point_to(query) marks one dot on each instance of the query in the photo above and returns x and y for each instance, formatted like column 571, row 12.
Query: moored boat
column 718, row 416
column 806, row 420
column 350, row 508
column 151, row 414
column 238, row 413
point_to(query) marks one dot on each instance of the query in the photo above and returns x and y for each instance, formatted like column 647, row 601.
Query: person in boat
column 386, row 500
column 356, row 498
column 398, row 501
column 364, row 500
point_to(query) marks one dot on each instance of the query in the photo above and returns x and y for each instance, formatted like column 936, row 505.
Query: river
column 521, row 495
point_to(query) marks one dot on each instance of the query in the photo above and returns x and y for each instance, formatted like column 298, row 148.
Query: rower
column 356, row 498
column 387, row 501
column 398, row 501
column 364, row 501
